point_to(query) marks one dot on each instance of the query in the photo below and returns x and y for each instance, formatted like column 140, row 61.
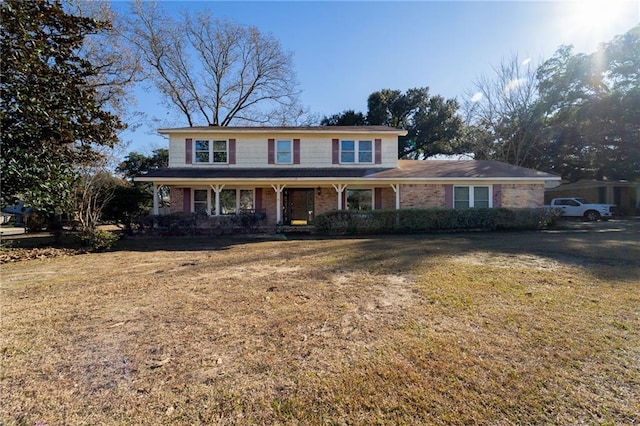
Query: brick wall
column 269, row 204
column 388, row 198
column 326, row 201
column 522, row 195
column 177, row 197
column 421, row 196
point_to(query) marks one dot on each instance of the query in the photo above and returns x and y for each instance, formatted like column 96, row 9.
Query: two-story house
column 295, row 173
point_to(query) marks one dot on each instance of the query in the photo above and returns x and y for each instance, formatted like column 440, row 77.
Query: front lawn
column 497, row 328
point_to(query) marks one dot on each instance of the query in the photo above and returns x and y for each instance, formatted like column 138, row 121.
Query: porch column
column 340, row 189
column 217, row 189
column 278, row 189
column 156, row 207
column 396, row 189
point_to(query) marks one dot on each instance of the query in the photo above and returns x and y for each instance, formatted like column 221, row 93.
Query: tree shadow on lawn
column 603, row 253
column 609, row 250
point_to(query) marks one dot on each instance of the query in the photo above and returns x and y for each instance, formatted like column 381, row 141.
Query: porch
column 283, row 204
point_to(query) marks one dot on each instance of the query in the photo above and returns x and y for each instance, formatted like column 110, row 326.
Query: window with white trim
column 359, row 199
column 284, row 152
column 200, row 200
column 228, row 201
column 233, row 201
column 245, row 199
column 207, row 151
column 465, row 197
column 352, row 151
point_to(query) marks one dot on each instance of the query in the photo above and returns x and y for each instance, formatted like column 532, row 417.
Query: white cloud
column 477, row 97
column 513, row 84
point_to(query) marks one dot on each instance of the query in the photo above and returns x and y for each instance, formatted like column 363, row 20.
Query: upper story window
column 471, row 196
column 352, row 151
column 283, row 152
column 207, row 151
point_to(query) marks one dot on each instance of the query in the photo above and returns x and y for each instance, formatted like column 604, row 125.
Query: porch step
column 296, row 229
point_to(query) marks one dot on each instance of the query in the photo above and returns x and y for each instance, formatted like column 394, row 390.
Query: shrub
column 185, row 224
column 98, row 240
column 249, row 221
column 432, row 220
column 35, row 222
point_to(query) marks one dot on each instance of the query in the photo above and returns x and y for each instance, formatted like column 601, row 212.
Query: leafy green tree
column 345, row 118
column 51, row 120
column 135, row 163
column 593, row 108
column 135, row 199
column 129, row 202
column 432, row 124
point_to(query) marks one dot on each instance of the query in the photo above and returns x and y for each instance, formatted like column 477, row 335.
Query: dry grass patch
column 408, row 330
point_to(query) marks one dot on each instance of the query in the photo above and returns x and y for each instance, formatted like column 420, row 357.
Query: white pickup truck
column 579, row 207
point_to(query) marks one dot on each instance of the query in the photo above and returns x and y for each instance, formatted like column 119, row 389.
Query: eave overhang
column 369, row 130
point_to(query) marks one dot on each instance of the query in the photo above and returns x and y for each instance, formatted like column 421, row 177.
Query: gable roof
column 461, row 169
column 284, row 129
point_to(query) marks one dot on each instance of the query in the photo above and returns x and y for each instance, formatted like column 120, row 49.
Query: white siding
column 252, row 149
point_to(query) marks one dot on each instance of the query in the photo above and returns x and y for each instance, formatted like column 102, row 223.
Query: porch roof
column 407, row 170
column 262, row 173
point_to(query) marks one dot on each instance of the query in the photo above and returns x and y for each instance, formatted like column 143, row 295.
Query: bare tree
column 214, row 71
column 96, row 187
column 504, row 119
column 117, row 67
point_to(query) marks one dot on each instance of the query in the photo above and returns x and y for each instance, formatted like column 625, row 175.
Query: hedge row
column 181, row 224
column 433, row 220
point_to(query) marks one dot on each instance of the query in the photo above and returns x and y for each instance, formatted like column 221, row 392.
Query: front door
column 298, row 206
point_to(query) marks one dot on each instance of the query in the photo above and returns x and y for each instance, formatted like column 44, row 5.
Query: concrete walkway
column 12, row 231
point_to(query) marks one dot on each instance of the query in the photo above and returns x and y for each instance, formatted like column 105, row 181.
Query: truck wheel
column 591, row 215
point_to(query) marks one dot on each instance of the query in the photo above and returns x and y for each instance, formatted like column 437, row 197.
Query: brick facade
column 411, row 196
column 269, row 205
column 177, row 198
column 522, row 195
column 326, row 201
column 421, row 196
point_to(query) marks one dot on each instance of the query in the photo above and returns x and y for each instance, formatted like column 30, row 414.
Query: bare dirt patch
column 396, row 330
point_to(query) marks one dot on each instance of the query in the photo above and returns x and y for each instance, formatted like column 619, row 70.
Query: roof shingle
column 407, row 169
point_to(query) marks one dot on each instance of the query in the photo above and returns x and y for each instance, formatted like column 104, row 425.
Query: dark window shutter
column 378, row 151
column 232, row 151
column 296, row 151
column 344, row 200
column 257, row 203
column 448, row 196
column 378, row 198
column 497, row 195
column 271, row 148
column 188, row 151
column 186, row 200
column 335, row 151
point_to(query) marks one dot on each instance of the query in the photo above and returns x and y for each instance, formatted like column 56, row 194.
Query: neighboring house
column 622, row 193
column 17, row 211
column 295, row 173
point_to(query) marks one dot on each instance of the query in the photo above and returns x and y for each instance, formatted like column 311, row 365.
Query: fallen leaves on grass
column 19, row 254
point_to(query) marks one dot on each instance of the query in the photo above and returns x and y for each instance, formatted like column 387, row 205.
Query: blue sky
column 344, row 51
